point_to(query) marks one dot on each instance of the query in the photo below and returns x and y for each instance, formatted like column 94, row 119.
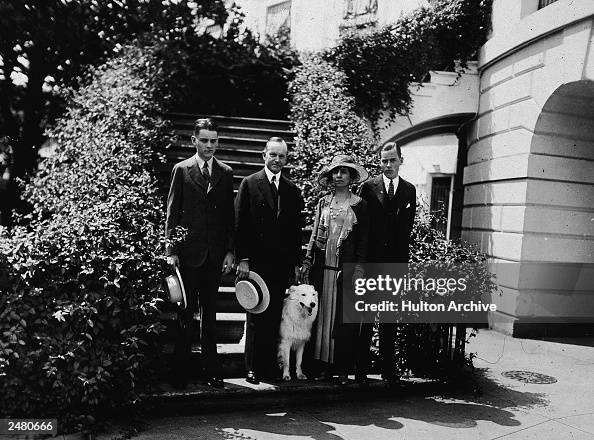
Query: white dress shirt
column 201, row 165
column 269, row 174
column 387, row 183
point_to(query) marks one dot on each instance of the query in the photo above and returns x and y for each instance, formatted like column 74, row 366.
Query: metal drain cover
column 529, row 377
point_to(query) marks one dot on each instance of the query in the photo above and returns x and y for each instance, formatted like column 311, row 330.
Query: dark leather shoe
column 343, row 379
column 251, row 377
column 180, row 383
column 215, row 382
column 322, row 377
column 391, row 382
column 362, row 380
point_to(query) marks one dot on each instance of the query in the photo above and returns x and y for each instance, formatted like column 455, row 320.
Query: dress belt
column 332, row 268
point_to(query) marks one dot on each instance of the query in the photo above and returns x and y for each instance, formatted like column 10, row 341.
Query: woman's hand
column 303, row 277
column 358, row 272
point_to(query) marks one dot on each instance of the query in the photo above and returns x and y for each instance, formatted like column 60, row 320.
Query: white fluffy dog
column 300, row 308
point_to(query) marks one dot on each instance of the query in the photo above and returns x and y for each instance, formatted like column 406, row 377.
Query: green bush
column 380, row 66
column 235, row 74
column 325, row 124
column 437, row 350
column 78, row 320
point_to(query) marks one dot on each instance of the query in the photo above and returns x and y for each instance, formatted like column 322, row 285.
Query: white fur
column 295, row 329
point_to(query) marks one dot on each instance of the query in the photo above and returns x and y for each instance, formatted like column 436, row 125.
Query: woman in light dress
column 339, row 236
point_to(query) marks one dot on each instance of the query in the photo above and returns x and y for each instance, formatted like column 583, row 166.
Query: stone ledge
column 238, row 394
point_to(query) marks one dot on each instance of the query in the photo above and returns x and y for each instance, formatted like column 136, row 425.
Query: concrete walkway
column 559, row 406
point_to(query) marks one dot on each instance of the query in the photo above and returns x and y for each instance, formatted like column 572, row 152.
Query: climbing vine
column 381, row 66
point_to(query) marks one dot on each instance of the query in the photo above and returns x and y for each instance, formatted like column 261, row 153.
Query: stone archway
column 548, row 288
column 555, row 283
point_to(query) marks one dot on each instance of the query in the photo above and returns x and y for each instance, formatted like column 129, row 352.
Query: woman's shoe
column 322, row 376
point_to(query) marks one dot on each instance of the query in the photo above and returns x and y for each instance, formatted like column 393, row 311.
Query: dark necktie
column 206, row 174
column 391, row 189
column 274, row 192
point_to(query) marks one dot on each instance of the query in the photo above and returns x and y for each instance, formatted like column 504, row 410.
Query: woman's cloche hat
column 175, row 288
column 252, row 293
column 342, row 160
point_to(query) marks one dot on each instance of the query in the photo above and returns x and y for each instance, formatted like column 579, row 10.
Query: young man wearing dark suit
column 391, row 201
column 201, row 200
column 268, row 241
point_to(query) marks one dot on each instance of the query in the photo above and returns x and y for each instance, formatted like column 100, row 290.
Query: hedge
column 78, row 320
column 325, row 123
column 380, row 66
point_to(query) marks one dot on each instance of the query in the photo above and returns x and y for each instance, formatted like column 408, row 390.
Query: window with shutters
column 359, row 14
column 543, row 3
column 441, row 188
column 278, row 16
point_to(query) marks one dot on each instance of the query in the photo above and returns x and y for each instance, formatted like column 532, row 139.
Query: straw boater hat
column 175, row 289
column 252, row 293
column 342, row 160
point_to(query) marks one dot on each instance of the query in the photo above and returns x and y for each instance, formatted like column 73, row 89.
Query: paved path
column 560, row 407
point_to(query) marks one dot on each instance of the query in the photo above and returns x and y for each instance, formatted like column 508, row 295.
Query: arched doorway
column 556, row 283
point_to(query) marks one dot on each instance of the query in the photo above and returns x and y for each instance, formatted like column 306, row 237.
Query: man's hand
column 227, row 263
column 243, row 270
column 173, row 260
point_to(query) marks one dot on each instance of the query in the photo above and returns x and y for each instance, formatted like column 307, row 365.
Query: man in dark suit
column 268, row 241
column 201, row 200
column 391, row 201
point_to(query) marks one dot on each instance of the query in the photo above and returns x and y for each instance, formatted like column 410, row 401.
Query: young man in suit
column 391, row 201
column 201, row 200
column 268, row 241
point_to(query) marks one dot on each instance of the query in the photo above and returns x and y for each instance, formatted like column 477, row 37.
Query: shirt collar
column 269, row 175
column 387, row 182
column 201, row 162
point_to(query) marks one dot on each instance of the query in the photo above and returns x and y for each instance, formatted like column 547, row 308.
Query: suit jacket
column 390, row 221
column 261, row 235
column 208, row 216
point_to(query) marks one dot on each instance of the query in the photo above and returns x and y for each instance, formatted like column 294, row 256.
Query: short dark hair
column 389, row 146
column 204, row 124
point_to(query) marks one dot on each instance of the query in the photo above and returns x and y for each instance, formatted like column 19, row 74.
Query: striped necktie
column 206, row 174
column 274, row 190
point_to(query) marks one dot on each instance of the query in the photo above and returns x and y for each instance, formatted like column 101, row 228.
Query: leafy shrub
column 325, row 124
column 380, row 66
column 232, row 75
column 436, row 350
column 78, row 319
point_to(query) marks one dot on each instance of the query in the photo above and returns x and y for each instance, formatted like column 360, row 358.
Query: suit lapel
column 264, row 186
column 399, row 196
column 196, row 175
column 379, row 189
column 282, row 193
column 217, row 172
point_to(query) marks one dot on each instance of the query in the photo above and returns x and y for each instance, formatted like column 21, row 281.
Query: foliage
column 233, row 74
column 427, row 350
column 78, row 318
column 325, row 123
column 380, row 66
column 49, row 44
